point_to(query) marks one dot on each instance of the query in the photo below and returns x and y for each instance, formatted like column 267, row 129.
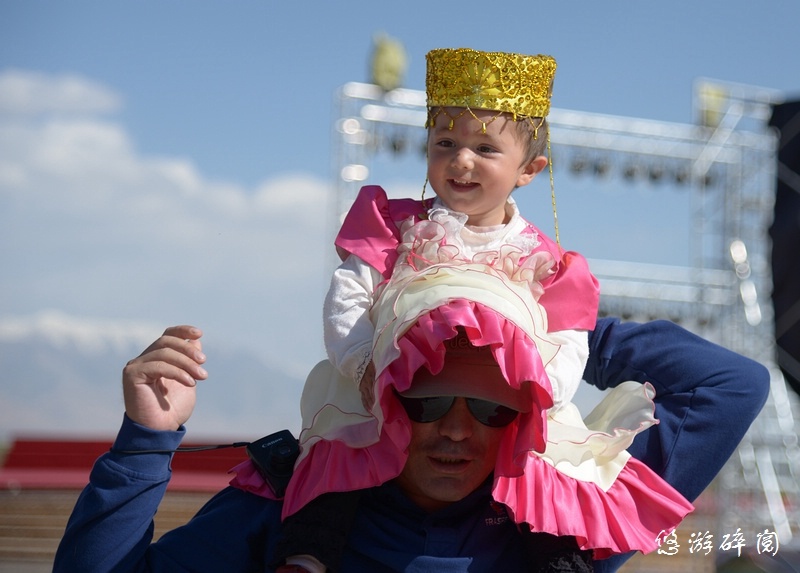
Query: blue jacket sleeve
column 706, row 396
column 113, row 518
column 111, row 526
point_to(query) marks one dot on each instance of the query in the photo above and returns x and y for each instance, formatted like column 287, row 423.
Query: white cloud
column 90, row 335
column 305, row 194
column 25, row 92
column 93, row 227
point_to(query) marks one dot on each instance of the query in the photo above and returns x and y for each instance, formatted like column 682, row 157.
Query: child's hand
column 367, row 386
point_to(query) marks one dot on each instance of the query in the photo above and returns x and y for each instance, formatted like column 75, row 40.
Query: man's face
column 449, row 458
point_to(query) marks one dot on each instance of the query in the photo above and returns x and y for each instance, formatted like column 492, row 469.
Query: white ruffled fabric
column 470, row 240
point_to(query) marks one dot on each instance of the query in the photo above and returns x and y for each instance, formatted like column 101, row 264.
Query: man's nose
column 458, row 424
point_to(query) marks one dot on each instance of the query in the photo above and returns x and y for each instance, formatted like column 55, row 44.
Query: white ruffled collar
column 472, row 239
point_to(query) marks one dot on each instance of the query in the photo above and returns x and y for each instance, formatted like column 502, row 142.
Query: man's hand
column 159, row 385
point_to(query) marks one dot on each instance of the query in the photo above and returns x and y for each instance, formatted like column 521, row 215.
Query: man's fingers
column 172, row 358
column 175, row 338
column 152, row 372
column 185, row 331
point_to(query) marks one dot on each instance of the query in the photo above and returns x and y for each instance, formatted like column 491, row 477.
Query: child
column 487, row 135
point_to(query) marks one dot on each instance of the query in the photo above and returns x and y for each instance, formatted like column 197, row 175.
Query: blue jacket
column 706, row 398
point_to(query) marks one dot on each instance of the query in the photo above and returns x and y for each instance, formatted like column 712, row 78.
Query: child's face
column 474, row 172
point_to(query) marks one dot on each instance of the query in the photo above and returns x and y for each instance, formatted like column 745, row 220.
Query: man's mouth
column 450, row 466
column 449, row 460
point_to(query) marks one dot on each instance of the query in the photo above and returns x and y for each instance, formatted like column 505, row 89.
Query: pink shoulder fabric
column 371, row 232
column 571, row 282
column 371, row 228
column 571, row 296
column 247, row 478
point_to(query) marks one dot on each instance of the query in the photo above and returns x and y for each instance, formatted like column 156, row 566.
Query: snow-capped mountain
column 60, row 377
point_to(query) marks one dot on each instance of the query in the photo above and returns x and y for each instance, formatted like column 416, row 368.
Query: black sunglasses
column 427, row 410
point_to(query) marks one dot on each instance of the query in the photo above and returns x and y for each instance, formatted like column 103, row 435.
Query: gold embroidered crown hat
column 513, row 83
column 504, row 82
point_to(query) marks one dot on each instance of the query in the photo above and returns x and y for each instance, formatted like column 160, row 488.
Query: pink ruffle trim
column 635, row 510
column 248, row 479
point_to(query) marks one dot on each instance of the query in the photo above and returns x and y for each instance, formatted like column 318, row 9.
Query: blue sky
column 170, row 161
column 244, row 88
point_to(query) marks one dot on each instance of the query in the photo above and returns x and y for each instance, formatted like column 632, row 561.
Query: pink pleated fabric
column 629, row 516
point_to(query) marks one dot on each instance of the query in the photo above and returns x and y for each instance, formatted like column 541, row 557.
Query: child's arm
column 565, row 370
column 346, row 321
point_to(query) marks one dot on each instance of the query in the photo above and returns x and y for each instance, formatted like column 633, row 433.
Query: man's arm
column 111, row 526
column 112, row 523
column 706, row 396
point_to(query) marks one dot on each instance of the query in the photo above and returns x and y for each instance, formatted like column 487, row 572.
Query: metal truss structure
column 727, row 160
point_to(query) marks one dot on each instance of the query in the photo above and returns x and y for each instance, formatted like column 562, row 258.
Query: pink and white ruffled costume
column 555, row 472
column 370, row 242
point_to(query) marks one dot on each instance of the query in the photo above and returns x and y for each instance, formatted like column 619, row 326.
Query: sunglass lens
column 426, row 409
column 490, row 413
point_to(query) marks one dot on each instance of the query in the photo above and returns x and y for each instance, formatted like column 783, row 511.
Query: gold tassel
column 552, row 187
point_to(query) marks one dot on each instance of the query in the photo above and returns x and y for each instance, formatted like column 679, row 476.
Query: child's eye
column 485, row 149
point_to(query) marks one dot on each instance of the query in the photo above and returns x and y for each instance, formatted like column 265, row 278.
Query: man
column 111, row 528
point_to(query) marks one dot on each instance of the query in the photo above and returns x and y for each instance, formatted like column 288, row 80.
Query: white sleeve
column 347, row 328
column 565, row 370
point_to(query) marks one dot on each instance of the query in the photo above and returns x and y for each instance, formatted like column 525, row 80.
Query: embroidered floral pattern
column 425, row 244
